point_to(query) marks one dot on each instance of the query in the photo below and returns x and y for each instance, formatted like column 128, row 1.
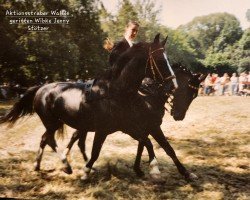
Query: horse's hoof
column 156, row 178
column 84, row 177
column 139, row 173
column 36, row 167
column 191, row 177
column 67, row 170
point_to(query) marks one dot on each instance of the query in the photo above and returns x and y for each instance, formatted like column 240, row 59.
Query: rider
column 118, row 48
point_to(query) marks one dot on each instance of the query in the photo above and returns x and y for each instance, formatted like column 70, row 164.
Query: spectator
column 248, row 81
column 224, row 82
column 217, row 84
column 242, row 81
column 208, row 85
column 234, row 84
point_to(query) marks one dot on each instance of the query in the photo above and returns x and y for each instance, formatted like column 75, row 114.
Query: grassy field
column 213, row 142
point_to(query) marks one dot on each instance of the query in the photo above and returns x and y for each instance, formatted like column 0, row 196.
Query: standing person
column 248, row 81
column 130, row 34
column 242, row 82
column 217, row 85
column 208, row 85
column 224, row 81
column 234, row 84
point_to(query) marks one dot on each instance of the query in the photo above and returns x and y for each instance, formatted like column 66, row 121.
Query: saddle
column 87, row 88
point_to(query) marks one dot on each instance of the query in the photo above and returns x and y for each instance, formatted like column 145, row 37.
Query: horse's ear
column 164, row 41
column 196, row 76
column 157, row 38
column 202, row 77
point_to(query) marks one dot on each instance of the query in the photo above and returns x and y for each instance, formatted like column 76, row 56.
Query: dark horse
column 113, row 109
column 149, row 111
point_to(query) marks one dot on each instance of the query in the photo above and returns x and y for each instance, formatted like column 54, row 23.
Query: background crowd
column 226, row 85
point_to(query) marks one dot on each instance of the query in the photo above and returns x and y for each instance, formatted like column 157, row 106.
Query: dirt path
column 212, row 141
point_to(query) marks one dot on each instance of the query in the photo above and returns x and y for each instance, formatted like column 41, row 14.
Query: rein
column 153, row 64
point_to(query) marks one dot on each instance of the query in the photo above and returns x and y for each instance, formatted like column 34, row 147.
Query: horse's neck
column 130, row 76
column 157, row 101
column 182, row 76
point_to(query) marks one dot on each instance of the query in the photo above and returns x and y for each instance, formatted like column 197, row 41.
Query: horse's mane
column 123, row 59
column 178, row 67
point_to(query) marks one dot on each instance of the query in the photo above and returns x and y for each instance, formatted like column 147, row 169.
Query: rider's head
column 131, row 30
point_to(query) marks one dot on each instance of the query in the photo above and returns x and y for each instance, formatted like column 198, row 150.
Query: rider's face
column 131, row 31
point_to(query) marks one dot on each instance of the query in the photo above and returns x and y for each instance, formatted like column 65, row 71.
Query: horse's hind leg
column 81, row 145
column 81, row 135
column 46, row 139
column 97, row 145
column 65, row 155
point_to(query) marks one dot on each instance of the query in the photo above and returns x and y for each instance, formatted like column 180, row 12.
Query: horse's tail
column 61, row 132
column 22, row 107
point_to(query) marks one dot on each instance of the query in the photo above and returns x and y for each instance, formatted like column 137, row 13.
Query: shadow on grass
column 115, row 180
column 217, row 147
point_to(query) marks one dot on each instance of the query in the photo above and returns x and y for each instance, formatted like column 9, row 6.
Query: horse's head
column 187, row 91
column 158, row 67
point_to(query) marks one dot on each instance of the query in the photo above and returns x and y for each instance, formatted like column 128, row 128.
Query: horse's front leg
column 137, row 163
column 162, row 141
column 137, row 168
column 96, row 148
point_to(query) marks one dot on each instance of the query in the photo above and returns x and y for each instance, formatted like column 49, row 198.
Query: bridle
column 151, row 64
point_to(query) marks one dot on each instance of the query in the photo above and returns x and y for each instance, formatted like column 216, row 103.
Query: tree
column 214, row 31
column 248, row 15
column 242, row 52
column 213, row 37
column 147, row 16
column 145, row 11
column 68, row 50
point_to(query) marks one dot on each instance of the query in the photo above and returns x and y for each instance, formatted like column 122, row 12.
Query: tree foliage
column 65, row 51
column 216, row 41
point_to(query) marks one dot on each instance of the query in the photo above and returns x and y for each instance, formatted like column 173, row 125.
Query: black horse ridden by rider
column 59, row 103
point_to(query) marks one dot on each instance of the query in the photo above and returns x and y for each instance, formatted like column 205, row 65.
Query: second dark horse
column 149, row 111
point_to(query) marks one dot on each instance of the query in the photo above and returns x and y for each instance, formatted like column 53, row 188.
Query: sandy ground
column 212, row 141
